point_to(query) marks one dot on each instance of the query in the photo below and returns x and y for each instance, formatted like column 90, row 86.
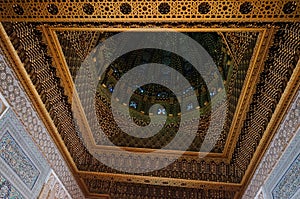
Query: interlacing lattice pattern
column 119, row 138
column 282, row 59
column 277, row 71
column 241, row 43
column 280, row 143
column 128, row 190
column 86, row 10
column 13, row 92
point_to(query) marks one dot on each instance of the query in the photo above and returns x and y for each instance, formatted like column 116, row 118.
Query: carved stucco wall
column 23, row 168
column 27, row 152
column 277, row 176
column 53, row 188
column 7, row 190
column 24, row 171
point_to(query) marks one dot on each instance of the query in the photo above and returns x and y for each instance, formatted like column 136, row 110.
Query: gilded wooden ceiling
column 47, row 41
column 234, row 70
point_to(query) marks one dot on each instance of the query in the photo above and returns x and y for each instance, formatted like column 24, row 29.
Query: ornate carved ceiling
column 261, row 38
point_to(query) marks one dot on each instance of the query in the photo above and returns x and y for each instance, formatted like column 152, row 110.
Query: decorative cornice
column 281, row 140
column 23, row 108
column 145, row 11
column 160, row 181
column 256, row 66
column 233, row 171
column 249, row 88
column 284, row 101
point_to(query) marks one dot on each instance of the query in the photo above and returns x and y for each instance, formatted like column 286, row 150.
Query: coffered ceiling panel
column 254, row 44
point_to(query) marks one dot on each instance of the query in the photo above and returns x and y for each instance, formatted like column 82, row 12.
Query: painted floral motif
column 289, row 183
column 15, row 157
column 8, row 191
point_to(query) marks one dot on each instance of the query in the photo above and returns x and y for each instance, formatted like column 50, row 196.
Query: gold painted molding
column 249, row 88
column 149, row 11
column 30, row 90
column 59, row 59
column 289, row 93
column 160, row 181
column 254, row 69
column 292, row 87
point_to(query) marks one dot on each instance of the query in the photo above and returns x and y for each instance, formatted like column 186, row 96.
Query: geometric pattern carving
column 86, row 10
column 272, row 82
column 53, row 188
column 284, row 176
column 126, row 190
column 44, row 76
column 272, row 70
column 7, row 190
column 16, row 96
column 289, row 183
column 14, row 156
column 280, row 143
column 244, row 43
column 21, row 162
